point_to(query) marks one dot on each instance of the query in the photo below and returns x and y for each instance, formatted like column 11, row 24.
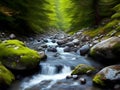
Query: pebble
column 12, row 36
column 82, row 80
column 89, row 72
column 75, row 77
column 68, row 77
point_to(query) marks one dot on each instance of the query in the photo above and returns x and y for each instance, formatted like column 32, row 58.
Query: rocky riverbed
column 64, row 54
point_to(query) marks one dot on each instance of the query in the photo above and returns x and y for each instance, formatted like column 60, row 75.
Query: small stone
column 82, row 80
column 75, row 77
column 68, row 77
column 89, row 72
column 12, row 36
column 67, row 49
column 43, row 55
column 44, row 46
column 51, row 49
column 45, row 40
column 53, row 41
column 56, row 54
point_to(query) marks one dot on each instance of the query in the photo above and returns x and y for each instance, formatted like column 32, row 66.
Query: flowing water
column 54, row 70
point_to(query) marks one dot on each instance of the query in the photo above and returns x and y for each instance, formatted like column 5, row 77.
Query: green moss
column 117, row 8
column 15, row 54
column 82, row 69
column 92, row 52
column 116, row 15
column 111, row 24
column 98, row 79
column 94, row 32
column 6, row 77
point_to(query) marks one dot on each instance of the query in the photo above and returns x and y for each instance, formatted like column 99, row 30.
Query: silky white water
column 41, row 77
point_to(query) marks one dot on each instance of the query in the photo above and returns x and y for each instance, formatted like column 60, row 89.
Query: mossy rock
column 15, row 55
column 6, row 77
column 108, row 76
column 108, row 49
column 82, row 69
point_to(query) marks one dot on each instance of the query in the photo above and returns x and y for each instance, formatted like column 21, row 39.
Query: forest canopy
column 68, row 15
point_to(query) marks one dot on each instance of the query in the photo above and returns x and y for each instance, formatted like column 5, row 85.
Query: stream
column 53, row 71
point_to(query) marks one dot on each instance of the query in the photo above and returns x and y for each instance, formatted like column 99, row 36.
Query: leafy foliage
column 24, row 15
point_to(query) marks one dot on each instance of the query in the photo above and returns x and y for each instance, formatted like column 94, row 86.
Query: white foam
column 41, row 77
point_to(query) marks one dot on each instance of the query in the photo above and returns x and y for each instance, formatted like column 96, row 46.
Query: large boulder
column 108, row 76
column 15, row 55
column 108, row 49
column 6, row 77
column 82, row 69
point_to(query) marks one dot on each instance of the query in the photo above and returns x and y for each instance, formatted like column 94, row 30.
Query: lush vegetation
column 68, row 15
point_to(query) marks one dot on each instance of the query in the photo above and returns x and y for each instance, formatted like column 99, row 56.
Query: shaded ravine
column 53, row 71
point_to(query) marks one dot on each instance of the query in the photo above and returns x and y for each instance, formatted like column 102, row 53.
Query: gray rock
column 12, row 36
column 82, row 80
column 107, row 49
column 43, row 55
column 76, row 42
column 68, row 77
column 108, row 76
column 67, row 49
column 44, row 46
column 70, row 44
column 61, row 42
column 52, row 49
column 84, row 49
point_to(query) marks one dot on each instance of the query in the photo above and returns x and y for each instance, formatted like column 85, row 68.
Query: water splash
column 42, row 77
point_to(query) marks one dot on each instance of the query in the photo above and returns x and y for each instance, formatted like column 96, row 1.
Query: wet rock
column 82, row 69
column 75, row 77
column 68, row 77
column 67, row 49
column 82, row 80
column 52, row 49
column 108, row 76
column 108, row 49
column 70, row 44
column 53, row 41
column 89, row 72
column 95, row 42
column 59, row 68
column 45, row 40
column 61, row 42
column 69, row 38
column 43, row 55
column 84, row 49
column 76, row 42
column 85, row 38
column 44, row 46
column 56, row 54
column 40, row 48
column 12, row 36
